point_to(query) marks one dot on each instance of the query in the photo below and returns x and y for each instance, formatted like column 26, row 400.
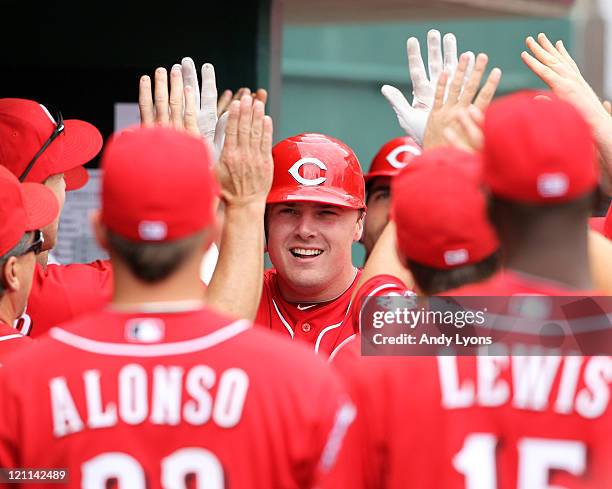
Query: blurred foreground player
column 157, row 390
column 24, row 210
column 439, row 237
column 39, row 145
column 499, row 422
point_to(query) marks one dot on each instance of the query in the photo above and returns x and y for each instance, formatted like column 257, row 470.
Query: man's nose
column 306, row 227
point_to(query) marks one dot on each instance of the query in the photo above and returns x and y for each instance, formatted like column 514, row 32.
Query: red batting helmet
column 316, row 168
column 392, row 157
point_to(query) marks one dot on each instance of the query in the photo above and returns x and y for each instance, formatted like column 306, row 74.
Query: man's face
column 310, row 244
column 58, row 186
column 379, row 205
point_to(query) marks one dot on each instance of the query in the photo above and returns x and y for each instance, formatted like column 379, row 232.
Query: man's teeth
column 304, row 252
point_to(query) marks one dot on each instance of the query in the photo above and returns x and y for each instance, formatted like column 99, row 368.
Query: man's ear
column 99, row 229
column 359, row 226
column 10, row 275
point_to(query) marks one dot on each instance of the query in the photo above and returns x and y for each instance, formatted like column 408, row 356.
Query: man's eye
column 288, row 211
column 328, row 213
column 383, row 194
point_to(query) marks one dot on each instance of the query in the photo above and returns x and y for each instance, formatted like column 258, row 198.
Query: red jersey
column 377, row 286
column 11, row 340
column 62, row 292
column 510, row 282
column 150, row 399
column 488, row 422
column 493, row 422
column 325, row 325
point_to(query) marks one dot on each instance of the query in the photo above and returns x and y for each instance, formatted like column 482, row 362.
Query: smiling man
column 314, row 214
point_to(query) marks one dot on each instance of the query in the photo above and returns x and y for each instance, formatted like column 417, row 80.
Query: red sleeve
column 360, row 459
column 62, row 292
column 337, row 415
column 379, row 285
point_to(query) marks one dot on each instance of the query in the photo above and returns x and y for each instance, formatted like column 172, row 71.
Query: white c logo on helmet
column 294, row 171
column 404, row 148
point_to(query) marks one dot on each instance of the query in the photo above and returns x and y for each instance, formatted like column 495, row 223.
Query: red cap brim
column 41, row 205
column 320, row 195
column 81, row 143
column 76, row 178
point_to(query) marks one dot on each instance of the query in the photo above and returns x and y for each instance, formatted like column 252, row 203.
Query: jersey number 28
column 128, row 472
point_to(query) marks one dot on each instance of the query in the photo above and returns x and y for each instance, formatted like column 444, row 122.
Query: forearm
column 235, row 287
column 383, row 260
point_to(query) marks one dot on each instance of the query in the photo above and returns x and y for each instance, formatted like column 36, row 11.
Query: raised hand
column 461, row 95
column 245, row 167
column 413, row 117
column 554, row 65
column 176, row 109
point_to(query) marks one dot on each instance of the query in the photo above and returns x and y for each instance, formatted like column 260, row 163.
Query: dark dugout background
column 83, row 57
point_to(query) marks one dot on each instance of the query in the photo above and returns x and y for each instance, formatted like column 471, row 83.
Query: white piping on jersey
column 339, row 347
column 320, row 337
column 176, row 348
column 329, row 328
column 158, row 307
column 321, row 334
column 11, row 337
column 283, row 320
column 372, row 294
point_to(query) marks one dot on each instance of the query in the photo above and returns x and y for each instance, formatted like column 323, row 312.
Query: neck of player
column 184, row 284
column 318, row 293
column 564, row 260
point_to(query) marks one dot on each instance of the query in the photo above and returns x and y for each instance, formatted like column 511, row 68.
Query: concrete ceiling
column 316, row 11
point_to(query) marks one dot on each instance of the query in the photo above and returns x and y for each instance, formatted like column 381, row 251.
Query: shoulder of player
column 383, row 285
column 100, row 270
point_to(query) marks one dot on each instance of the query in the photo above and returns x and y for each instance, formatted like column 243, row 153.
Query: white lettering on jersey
column 167, row 390
column 133, row 394
column 492, row 391
column 593, row 400
column 454, row 396
column 200, row 380
column 129, row 402
column 233, row 387
column 97, row 416
column 568, row 384
column 66, row 418
column 531, row 383
column 533, row 378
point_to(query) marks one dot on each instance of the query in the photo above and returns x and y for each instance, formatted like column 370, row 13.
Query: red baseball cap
column 25, row 126
column 315, row 167
column 440, row 211
column 392, row 157
column 23, row 207
column 157, row 184
column 537, row 151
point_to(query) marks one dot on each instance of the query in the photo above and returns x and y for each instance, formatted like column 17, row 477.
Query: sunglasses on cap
column 34, row 247
column 59, row 128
